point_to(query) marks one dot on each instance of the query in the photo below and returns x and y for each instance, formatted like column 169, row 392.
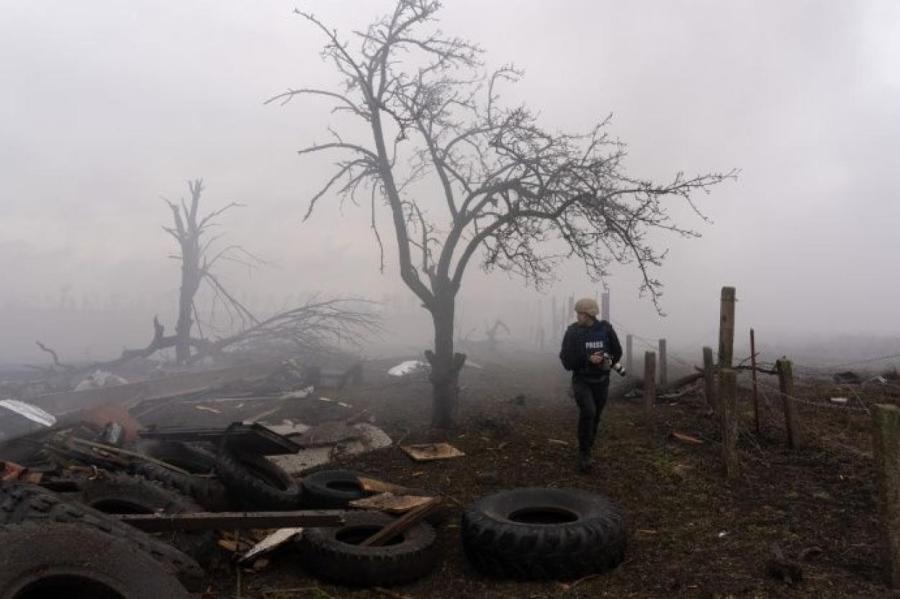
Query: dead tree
column 197, row 263
column 491, row 333
column 484, row 180
column 316, row 327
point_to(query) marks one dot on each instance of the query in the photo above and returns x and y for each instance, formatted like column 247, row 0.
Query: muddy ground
column 690, row 533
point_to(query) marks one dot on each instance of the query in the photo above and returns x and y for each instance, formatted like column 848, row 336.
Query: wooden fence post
column 663, row 367
column 755, row 387
column 886, row 443
column 709, row 378
column 729, row 421
column 628, row 361
column 649, row 380
column 786, row 385
column 726, row 327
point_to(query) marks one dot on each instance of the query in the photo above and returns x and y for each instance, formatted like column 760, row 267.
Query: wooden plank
column 886, row 442
column 427, row 452
column 233, row 520
column 729, row 422
column 709, row 378
column 402, row 524
column 390, row 503
column 786, row 386
column 649, row 380
column 726, row 327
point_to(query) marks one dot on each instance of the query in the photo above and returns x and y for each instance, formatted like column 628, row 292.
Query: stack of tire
column 335, row 554
column 50, row 547
column 218, row 478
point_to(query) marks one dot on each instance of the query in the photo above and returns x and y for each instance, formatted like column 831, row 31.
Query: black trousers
column 590, row 395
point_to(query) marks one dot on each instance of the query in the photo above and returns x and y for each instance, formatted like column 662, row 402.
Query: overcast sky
column 108, row 106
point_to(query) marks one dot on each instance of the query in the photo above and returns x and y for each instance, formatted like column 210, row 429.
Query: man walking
column 589, row 348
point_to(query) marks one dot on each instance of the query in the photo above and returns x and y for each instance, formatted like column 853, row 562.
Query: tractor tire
column 334, row 554
column 118, row 493
column 79, row 562
column 21, row 503
column 256, row 482
column 541, row 533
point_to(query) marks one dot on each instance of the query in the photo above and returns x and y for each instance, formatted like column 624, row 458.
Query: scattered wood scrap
column 686, row 438
column 372, row 485
column 390, row 503
column 271, row 543
column 232, row 520
column 426, row 452
column 402, row 524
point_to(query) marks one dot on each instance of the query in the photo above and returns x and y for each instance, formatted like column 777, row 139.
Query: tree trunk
column 190, row 282
column 445, row 364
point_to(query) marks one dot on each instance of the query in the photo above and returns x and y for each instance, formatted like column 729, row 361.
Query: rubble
column 100, row 378
column 427, row 452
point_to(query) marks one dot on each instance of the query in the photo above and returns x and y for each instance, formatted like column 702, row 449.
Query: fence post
column 709, row 378
column 649, row 380
column 628, row 361
column 786, row 385
column 729, row 421
column 886, row 443
column 726, row 327
column 663, row 368
column 755, row 386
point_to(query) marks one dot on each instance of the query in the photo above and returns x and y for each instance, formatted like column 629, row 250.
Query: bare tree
column 190, row 229
column 520, row 196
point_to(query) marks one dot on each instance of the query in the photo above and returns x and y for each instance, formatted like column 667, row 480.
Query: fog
column 110, row 106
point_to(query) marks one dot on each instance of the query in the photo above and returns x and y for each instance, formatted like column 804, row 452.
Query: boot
column 585, row 464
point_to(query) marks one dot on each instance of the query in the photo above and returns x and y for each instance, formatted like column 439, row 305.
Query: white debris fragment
column 271, row 542
column 288, row 428
column 31, row 412
column 474, row 365
column 839, row 400
column 370, row 438
column 100, row 378
column 408, row 367
column 298, row 394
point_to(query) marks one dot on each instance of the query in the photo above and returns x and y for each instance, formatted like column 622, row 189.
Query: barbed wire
column 818, row 404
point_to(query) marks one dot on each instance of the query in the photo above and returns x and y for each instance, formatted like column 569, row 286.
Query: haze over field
column 109, row 106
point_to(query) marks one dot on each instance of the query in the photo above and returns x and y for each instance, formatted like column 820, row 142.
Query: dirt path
column 690, row 534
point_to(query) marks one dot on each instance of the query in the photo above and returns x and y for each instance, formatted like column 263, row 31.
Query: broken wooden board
column 370, row 438
column 426, row 452
column 686, row 438
column 271, row 543
column 372, row 485
column 233, row 520
column 390, row 503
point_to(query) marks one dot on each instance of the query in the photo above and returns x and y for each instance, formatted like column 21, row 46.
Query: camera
column 617, row 366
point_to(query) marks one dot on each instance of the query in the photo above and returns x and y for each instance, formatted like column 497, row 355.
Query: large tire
column 331, row 489
column 192, row 458
column 334, row 553
column 539, row 533
column 205, row 490
column 119, row 493
column 78, row 562
column 20, row 503
column 256, row 482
